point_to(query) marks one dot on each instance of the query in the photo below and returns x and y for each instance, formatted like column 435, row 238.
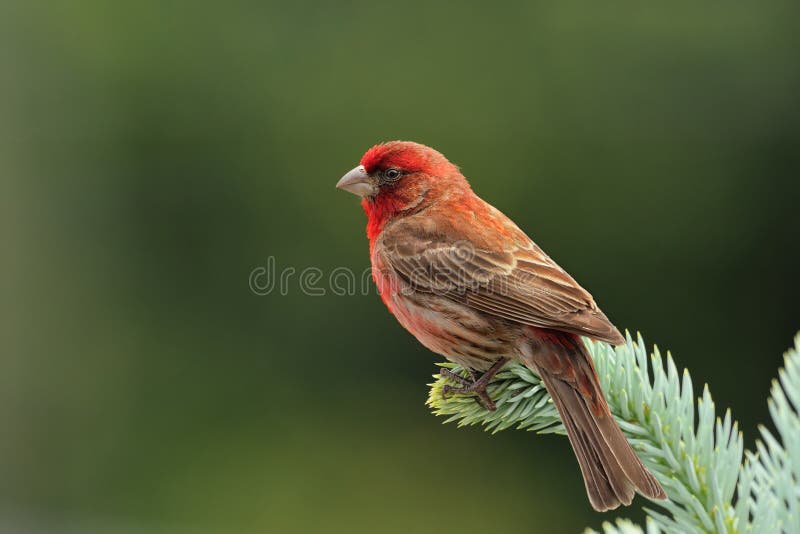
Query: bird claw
column 481, row 397
column 457, row 377
column 476, row 385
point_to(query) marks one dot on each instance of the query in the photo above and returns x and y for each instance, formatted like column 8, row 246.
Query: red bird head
column 402, row 177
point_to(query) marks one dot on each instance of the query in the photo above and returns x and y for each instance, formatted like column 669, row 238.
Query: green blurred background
column 152, row 154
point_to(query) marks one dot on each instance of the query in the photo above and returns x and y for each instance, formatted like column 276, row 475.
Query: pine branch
column 624, row 526
column 697, row 465
column 769, row 491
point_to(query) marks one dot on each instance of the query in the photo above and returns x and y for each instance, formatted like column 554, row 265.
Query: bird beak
column 358, row 182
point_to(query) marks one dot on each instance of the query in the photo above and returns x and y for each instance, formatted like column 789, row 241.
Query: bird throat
column 385, row 205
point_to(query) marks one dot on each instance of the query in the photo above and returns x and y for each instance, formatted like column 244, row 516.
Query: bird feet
column 475, row 385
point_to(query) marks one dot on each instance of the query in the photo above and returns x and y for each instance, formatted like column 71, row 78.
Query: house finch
column 471, row 286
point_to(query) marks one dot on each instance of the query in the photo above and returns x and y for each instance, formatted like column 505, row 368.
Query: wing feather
column 510, row 279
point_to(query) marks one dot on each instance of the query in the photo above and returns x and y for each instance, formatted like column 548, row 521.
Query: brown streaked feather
column 512, row 279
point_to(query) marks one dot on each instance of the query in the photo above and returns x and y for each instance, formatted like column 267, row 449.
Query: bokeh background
column 152, row 154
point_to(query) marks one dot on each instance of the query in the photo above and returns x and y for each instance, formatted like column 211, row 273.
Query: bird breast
column 459, row 333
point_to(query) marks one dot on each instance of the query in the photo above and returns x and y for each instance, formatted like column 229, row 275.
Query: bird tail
column 611, row 470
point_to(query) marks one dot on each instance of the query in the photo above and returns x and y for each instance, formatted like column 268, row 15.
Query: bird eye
column 391, row 174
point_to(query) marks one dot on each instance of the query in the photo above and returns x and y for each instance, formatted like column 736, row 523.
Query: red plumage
column 473, row 287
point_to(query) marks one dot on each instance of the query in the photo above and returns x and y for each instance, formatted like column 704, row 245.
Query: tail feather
column 611, row 470
column 607, row 484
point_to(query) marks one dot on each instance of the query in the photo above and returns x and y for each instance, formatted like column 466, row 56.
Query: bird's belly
column 460, row 334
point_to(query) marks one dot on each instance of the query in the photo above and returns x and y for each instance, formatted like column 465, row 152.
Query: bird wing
column 491, row 266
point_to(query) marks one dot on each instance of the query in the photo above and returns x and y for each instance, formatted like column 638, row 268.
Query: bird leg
column 476, row 386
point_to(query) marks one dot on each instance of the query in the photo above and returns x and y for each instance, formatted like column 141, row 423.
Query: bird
column 471, row 286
